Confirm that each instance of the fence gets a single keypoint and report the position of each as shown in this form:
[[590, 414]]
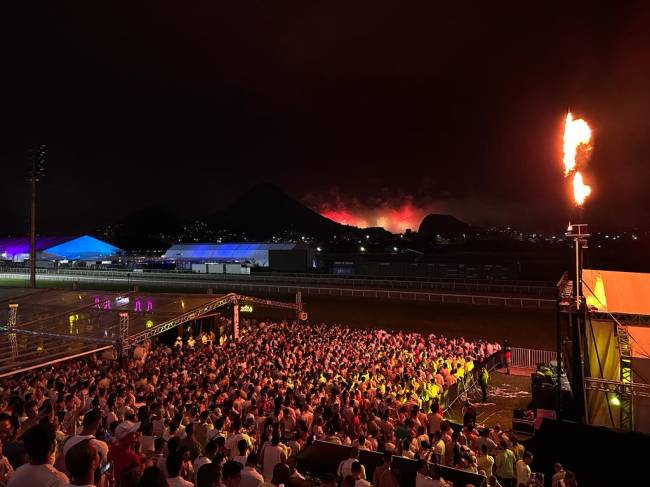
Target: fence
[[528, 358], [201, 283], [485, 287]]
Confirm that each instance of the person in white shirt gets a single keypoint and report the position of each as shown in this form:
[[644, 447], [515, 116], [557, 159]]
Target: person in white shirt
[[358, 472], [345, 467], [272, 455], [82, 460], [91, 422], [40, 443], [485, 439], [242, 452], [522, 469], [250, 477], [205, 457], [232, 441]]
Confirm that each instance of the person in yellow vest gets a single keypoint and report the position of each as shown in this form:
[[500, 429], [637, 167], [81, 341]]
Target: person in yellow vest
[[469, 365], [483, 382]]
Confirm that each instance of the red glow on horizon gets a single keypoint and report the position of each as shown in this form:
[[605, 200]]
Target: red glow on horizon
[[396, 220]]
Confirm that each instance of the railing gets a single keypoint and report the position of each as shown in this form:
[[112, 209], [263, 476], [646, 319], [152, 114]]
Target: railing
[[528, 358], [201, 283], [463, 286], [11, 267]]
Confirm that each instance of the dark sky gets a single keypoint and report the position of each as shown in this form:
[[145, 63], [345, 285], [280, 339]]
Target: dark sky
[[188, 105]]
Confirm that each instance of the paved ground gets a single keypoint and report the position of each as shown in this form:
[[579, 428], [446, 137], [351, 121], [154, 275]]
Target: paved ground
[[505, 393]]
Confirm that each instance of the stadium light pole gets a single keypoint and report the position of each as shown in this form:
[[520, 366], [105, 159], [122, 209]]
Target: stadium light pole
[[36, 158]]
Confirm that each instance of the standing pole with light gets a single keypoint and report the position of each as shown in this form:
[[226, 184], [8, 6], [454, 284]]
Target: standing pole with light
[[577, 141], [36, 170]]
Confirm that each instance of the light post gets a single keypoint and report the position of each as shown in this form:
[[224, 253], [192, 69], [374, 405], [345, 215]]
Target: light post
[[36, 170]]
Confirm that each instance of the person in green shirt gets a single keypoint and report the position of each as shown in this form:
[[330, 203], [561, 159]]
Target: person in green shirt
[[504, 465]]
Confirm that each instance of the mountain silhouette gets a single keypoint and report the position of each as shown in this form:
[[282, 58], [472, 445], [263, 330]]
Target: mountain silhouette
[[266, 211], [446, 226]]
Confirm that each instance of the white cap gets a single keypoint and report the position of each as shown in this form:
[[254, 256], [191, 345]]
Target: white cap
[[126, 427], [75, 440]]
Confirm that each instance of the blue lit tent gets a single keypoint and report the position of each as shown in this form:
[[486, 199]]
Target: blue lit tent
[[85, 248]]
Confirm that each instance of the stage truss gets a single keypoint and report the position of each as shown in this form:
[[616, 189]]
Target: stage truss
[[49, 326]]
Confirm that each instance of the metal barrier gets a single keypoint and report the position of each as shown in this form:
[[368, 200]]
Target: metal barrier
[[523, 289], [455, 394], [528, 358], [322, 457], [204, 283]]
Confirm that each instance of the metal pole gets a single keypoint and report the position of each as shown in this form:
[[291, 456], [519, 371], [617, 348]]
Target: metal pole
[[124, 334], [558, 354], [577, 241], [11, 326], [298, 304], [32, 231], [36, 156], [235, 320], [12, 317]]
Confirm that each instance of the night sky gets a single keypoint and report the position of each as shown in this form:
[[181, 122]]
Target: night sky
[[356, 107]]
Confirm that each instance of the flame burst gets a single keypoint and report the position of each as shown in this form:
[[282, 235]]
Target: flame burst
[[577, 133], [580, 189]]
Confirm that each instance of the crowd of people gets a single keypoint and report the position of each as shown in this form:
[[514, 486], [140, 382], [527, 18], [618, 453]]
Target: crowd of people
[[209, 413]]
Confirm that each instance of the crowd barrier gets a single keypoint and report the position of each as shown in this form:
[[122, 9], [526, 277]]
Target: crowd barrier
[[322, 457], [528, 358], [453, 395]]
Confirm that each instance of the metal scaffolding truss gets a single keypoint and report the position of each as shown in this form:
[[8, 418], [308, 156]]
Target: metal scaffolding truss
[[617, 387], [45, 327], [179, 320], [625, 318], [627, 414], [204, 310]]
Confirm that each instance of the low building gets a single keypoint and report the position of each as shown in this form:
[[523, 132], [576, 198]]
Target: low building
[[283, 257], [58, 249]]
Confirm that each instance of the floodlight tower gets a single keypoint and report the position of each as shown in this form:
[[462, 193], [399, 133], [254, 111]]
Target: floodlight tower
[[36, 171]]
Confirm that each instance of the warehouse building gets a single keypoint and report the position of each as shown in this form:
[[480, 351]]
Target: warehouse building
[[206, 257]]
